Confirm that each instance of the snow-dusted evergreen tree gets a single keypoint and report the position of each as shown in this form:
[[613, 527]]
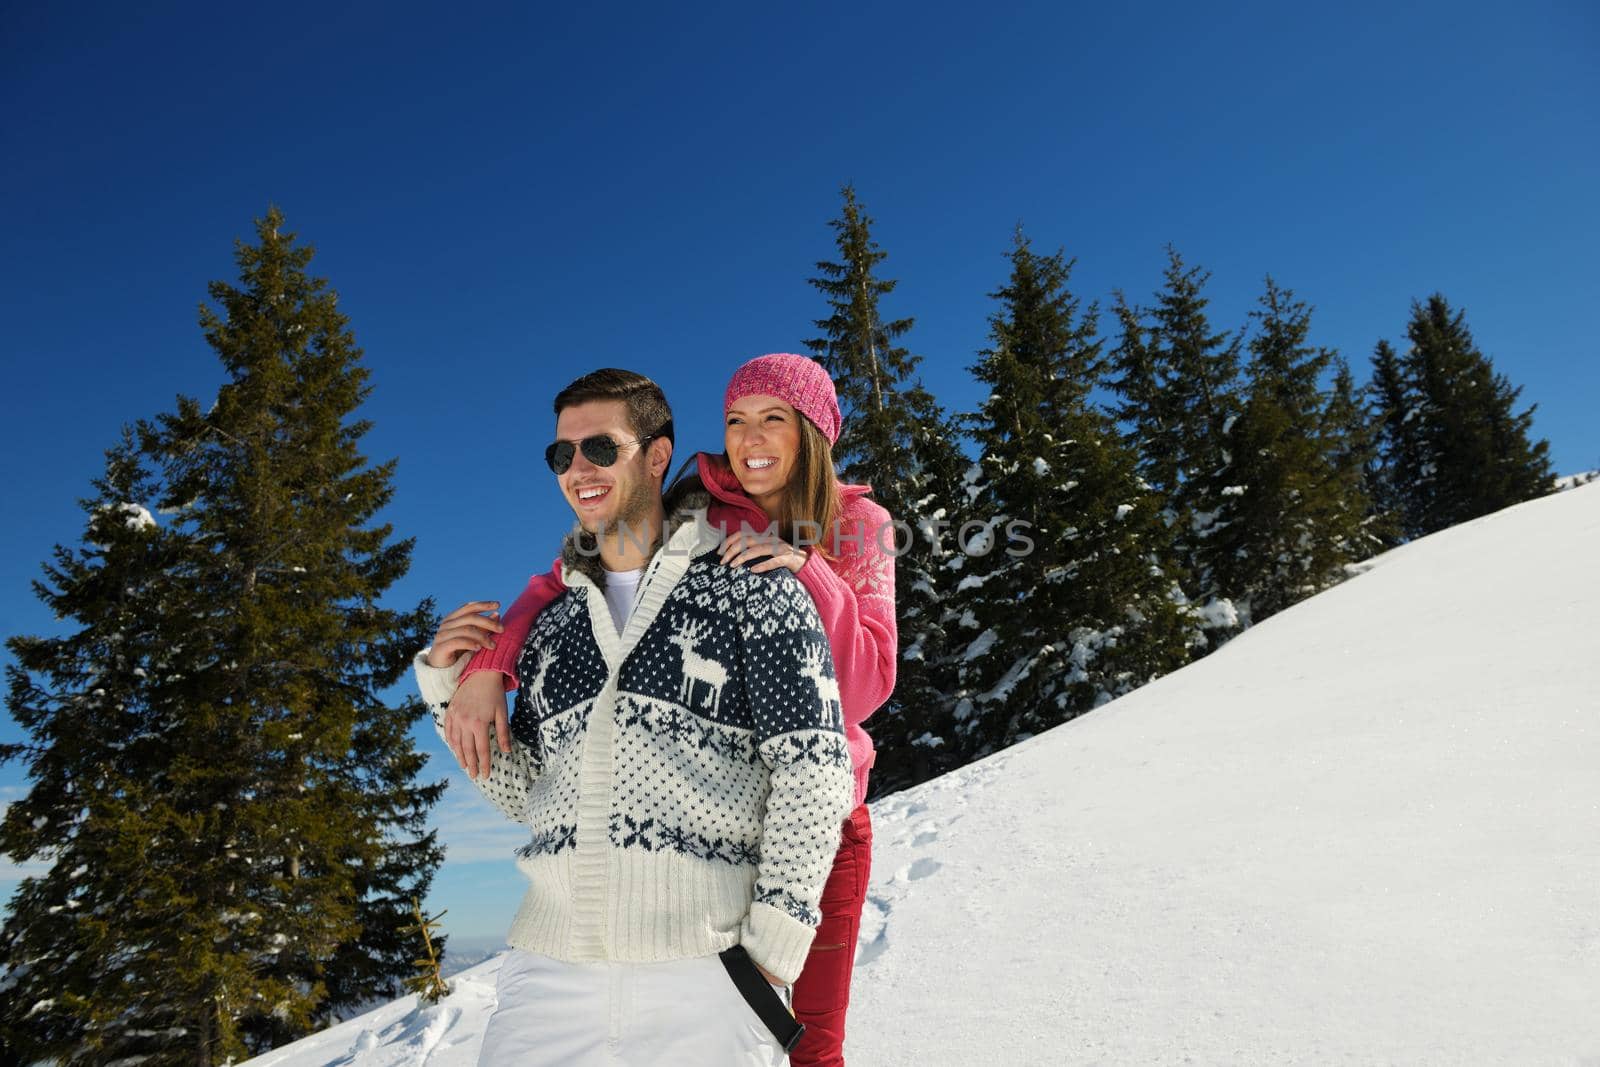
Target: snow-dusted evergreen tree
[[899, 440], [1178, 384], [1292, 517], [1070, 607], [76, 947], [225, 801]]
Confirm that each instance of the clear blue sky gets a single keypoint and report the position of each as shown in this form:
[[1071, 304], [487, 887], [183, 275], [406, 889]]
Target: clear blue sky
[[507, 196]]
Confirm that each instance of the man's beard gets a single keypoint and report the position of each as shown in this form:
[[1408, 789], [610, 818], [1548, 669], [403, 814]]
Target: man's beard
[[632, 524]]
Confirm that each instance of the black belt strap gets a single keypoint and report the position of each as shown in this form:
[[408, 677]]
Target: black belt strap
[[762, 998]]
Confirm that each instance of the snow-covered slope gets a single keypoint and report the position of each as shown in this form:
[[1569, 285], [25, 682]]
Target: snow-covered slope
[[1366, 831], [1572, 481]]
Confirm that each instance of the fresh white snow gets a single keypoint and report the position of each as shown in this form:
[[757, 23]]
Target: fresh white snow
[[1572, 481], [1365, 831], [136, 516]]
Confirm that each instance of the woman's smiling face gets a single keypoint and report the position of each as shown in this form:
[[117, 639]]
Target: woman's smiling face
[[762, 438]]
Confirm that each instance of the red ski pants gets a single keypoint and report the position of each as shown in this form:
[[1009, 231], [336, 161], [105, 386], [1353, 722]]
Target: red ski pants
[[822, 992]]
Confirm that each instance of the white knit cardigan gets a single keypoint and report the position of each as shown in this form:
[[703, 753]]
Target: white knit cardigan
[[685, 781]]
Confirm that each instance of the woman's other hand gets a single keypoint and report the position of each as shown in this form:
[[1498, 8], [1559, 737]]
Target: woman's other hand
[[478, 706]]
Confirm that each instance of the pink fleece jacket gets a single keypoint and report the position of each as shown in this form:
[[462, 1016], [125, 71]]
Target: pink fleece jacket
[[854, 594]]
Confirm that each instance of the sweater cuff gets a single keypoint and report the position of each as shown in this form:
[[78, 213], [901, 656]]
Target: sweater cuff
[[508, 677], [777, 941], [501, 659], [437, 684]]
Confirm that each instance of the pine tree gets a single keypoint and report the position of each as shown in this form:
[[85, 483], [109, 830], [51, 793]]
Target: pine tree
[[1148, 408], [913, 731], [857, 348], [72, 955], [1178, 384], [428, 983], [1396, 482], [225, 801], [1450, 445], [1291, 520], [1351, 447], [898, 439], [1478, 458], [1071, 608]]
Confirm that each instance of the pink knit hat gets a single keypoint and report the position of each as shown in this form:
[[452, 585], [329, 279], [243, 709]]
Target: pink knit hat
[[799, 381]]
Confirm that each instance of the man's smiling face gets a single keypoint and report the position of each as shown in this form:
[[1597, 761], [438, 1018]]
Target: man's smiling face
[[603, 497]]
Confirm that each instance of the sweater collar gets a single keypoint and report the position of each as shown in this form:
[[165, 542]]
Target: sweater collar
[[687, 530]]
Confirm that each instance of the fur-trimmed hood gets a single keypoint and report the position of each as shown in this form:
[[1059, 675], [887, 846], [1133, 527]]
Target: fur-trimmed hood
[[580, 552]]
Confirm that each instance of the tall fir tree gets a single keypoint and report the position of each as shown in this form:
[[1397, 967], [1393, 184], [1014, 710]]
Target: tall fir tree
[[224, 801], [1292, 518], [90, 704], [1478, 456], [1071, 606], [1351, 447], [898, 439], [1178, 383], [1395, 483], [1451, 445]]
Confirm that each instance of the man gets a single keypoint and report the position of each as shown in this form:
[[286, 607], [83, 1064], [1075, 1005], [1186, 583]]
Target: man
[[677, 759]]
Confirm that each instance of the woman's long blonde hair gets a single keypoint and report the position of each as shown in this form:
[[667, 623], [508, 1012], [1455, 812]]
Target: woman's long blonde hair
[[811, 503]]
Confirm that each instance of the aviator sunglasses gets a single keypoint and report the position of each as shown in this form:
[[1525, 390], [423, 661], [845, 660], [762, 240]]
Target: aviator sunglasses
[[601, 449]]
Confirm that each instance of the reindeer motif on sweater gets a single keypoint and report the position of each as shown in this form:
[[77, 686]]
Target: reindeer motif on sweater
[[817, 668], [697, 668]]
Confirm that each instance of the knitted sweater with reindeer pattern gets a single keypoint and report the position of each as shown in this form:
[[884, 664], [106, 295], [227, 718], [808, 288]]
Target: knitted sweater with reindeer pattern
[[684, 781]]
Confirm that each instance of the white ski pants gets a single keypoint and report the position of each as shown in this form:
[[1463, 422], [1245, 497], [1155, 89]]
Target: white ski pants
[[683, 1012]]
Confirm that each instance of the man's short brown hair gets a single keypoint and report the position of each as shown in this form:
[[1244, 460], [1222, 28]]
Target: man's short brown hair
[[646, 405]]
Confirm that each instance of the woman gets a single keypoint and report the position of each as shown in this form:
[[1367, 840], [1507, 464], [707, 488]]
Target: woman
[[781, 420]]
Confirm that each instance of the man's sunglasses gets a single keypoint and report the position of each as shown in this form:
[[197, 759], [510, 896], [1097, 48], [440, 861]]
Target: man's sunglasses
[[601, 450]]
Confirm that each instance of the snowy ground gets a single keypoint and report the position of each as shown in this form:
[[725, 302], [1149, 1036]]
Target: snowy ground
[[1367, 831], [1572, 481]]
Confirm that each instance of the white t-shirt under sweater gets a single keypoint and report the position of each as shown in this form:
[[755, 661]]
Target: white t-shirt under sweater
[[621, 588]]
